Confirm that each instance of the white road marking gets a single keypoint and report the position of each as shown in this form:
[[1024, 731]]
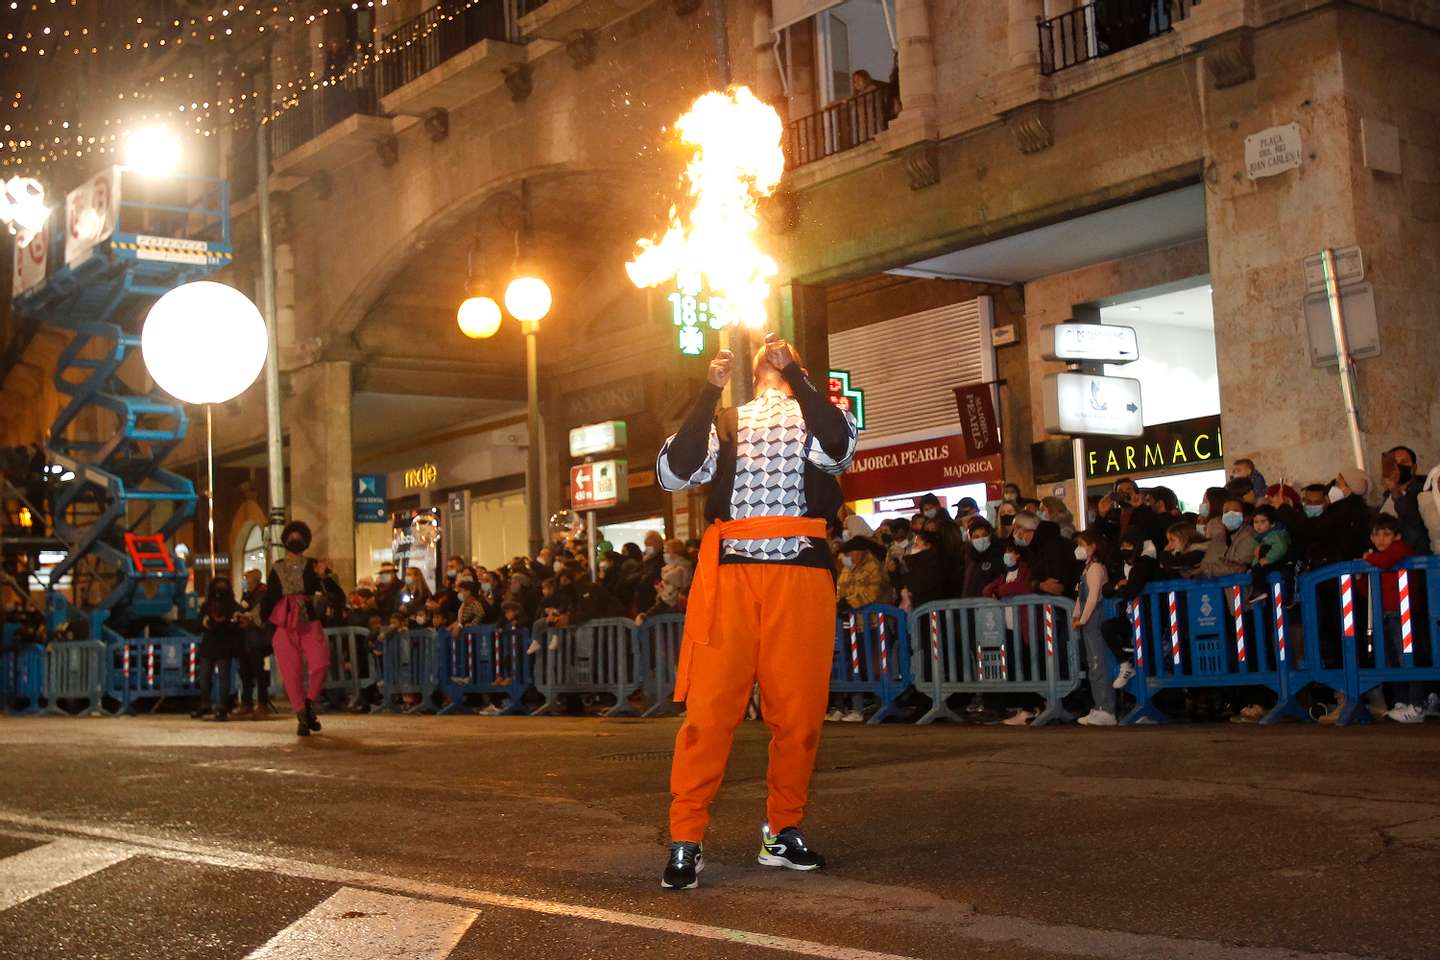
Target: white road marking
[[1050, 938], [41, 869], [362, 924]]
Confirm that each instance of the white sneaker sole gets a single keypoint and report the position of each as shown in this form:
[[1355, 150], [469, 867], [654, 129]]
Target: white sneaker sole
[[699, 869], [770, 860]]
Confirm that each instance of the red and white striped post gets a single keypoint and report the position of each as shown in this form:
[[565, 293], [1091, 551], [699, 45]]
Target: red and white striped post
[[1050, 634], [1278, 596], [1174, 630], [935, 642], [194, 654], [1347, 606], [150, 665], [1237, 607], [881, 620], [1407, 633]]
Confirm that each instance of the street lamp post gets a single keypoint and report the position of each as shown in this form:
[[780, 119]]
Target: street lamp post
[[528, 300]]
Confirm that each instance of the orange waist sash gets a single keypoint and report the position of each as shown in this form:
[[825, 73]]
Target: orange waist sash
[[704, 592]]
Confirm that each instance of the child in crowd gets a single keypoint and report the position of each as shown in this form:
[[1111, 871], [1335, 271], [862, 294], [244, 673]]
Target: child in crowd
[[1272, 548], [472, 611], [1091, 550], [1015, 582], [1390, 549], [1181, 557], [1138, 566]]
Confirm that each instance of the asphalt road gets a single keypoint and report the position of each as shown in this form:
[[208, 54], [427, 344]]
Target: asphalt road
[[409, 837]]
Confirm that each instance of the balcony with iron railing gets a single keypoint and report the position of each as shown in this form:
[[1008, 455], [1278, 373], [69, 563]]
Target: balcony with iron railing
[[842, 126], [1104, 27], [448, 54], [318, 110]]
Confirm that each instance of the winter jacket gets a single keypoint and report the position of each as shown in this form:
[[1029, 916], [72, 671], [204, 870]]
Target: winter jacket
[[1133, 578], [864, 583], [1227, 553], [1051, 556], [1342, 532], [982, 569], [1274, 547], [925, 577], [1429, 502], [1406, 509], [1389, 581]]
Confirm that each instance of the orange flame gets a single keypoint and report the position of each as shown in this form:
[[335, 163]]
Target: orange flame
[[736, 162]]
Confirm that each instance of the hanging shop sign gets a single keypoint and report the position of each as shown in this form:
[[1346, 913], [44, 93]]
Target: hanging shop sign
[[1082, 404], [1272, 151], [846, 397], [1095, 342], [31, 261], [370, 498], [980, 427], [91, 212], [595, 486], [1163, 446], [693, 310], [596, 438], [918, 465]]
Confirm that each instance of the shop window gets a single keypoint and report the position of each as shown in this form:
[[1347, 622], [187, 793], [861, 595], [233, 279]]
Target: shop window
[[498, 529]]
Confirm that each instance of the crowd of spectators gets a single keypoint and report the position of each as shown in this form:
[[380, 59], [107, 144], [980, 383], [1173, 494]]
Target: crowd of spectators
[[1027, 545]]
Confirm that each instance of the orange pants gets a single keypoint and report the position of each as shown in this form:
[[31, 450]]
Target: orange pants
[[776, 624]]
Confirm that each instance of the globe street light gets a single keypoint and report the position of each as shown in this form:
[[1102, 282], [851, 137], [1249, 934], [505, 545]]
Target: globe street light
[[204, 343], [479, 317], [528, 299]]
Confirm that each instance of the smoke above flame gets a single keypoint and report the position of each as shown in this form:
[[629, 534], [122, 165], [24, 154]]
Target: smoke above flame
[[735, 162]]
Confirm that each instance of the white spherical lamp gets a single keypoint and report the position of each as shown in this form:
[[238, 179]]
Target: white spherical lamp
[[479, 317], [528, 299], [204, 342]]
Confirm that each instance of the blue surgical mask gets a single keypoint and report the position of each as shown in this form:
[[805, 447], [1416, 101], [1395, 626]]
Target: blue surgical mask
[[1232, 520], [1204, 510], [1011, 560], [981, 544], [1313, 510]]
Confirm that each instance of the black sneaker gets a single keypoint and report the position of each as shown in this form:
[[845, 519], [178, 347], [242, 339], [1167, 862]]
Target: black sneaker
[[302, 728], [787, 849], [310, 716], [682, 870]]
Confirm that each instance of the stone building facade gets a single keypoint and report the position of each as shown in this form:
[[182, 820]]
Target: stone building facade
[[1076, 173]]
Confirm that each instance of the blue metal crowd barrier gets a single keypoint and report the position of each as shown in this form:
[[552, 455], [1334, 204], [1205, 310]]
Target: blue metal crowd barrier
[[144, 669], [872, 656], [409, 667], [660, 638], [22, 673], [1348, 644], [1193, 634], [1016, 645], [352, 666], [602, 657], [75, 672], [488, 660]]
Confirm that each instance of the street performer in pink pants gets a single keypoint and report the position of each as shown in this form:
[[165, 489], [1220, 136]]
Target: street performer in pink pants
[[294, 597]]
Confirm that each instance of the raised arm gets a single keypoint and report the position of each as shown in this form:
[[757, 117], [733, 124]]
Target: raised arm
[[687, 459]]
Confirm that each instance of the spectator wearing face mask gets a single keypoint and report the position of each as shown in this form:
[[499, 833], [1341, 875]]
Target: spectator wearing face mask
[[1157, 511], [676, 567], [862, 576], [1430, 508], [651, 564], [1231, 545], [924, 578], [1342, 530], [387, 590], [1116, 509], [984, 560], [1137, 567], [1402, 499], [1050, 556]]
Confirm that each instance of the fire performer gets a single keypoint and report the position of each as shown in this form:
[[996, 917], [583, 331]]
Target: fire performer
[[294, 598], [762, 605]]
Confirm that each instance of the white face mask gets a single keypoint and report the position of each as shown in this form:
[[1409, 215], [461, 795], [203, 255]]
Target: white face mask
[[929, 513], [1335, 495], [669, 558], [651, 551], [849, 561], [1080, 554]]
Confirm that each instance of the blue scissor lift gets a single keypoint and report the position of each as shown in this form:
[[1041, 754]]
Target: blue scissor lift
[[118, 514]]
